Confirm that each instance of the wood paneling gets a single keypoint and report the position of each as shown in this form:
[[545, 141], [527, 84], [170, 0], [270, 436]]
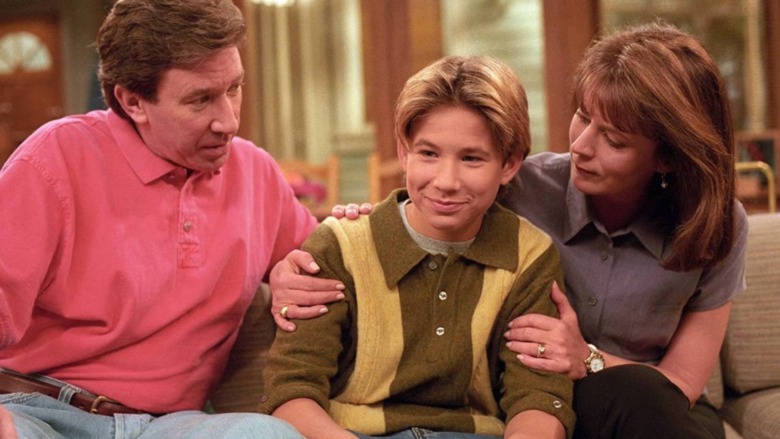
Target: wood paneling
[[569, 26]]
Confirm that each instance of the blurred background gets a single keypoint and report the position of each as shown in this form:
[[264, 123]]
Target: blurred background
[[323, 75]]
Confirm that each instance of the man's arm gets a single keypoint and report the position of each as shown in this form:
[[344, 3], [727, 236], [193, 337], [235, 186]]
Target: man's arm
[[305, 296]]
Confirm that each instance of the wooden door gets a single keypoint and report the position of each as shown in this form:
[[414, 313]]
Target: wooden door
[[30, 77]]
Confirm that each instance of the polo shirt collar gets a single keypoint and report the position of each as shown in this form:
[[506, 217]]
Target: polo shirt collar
[[495, 245], [147, 165], [645, 227]]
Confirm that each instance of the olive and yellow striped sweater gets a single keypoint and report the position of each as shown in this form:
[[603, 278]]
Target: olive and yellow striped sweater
[[418, 340]]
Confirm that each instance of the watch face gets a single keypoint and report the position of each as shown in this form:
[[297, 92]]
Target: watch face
[[596, 364]]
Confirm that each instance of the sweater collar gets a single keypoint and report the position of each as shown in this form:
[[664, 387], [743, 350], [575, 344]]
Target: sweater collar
[[495, 244]]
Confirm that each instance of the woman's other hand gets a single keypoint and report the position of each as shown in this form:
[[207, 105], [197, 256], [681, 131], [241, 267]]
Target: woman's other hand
[[558, 340]]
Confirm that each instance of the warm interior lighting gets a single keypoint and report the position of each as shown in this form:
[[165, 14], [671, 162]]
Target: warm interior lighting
[[274, 2]]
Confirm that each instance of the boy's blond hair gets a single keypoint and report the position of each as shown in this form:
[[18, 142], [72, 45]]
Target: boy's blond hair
[[483, 83]]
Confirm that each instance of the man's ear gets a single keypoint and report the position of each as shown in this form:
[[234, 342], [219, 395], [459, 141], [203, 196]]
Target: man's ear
[[132, 103], [511, 167]]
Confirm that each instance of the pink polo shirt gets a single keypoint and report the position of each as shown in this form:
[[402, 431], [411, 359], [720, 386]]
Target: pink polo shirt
[[121, 274]]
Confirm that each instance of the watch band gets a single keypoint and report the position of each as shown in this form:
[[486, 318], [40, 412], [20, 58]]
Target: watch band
[[595, 361]]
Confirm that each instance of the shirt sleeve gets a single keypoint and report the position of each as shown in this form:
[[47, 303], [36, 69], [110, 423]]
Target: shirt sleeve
[[726, 279], [294, 222], [302, 364], [32, 220], [524, 388]]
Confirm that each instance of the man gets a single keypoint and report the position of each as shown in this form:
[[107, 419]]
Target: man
[[135, 238]]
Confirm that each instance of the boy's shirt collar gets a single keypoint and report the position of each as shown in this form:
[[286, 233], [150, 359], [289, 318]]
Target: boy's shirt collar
[[495, 245]]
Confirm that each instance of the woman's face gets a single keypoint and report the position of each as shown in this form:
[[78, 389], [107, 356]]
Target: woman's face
[[609, 163]]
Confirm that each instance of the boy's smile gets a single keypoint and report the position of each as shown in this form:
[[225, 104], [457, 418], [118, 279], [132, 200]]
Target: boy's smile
[[453, 172]]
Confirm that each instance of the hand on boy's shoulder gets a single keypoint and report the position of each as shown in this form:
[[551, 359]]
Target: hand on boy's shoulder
[[351, 210]]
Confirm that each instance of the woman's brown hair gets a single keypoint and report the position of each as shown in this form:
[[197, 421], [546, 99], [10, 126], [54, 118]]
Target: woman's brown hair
[[660, 82]]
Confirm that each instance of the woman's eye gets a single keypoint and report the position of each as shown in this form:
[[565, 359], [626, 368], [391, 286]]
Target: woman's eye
[[612, 142]]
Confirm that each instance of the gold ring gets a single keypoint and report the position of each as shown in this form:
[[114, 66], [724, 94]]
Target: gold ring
[[283, 311], [540, 350]]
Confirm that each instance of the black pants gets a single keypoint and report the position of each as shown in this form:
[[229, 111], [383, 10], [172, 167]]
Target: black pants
[[634, 401]]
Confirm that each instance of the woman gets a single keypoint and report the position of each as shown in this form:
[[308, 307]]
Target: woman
[[652, 241]]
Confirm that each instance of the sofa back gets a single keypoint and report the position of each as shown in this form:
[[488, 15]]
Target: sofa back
[[750, 357]]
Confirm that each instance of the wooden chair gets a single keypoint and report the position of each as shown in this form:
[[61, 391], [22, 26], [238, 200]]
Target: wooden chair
[[308, 178], [769, 176]]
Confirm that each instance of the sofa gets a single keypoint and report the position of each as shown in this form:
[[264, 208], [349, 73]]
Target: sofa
[[745, 386]]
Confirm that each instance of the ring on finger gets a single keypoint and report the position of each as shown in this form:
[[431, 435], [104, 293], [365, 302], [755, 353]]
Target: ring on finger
[[283, 311], [540, 350]]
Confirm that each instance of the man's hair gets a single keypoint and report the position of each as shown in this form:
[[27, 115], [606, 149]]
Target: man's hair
[[660, 82], [141, 39], [483, 83]]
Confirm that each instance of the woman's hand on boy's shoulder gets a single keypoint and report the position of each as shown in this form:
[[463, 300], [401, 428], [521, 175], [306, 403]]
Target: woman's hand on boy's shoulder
[[351, 210]]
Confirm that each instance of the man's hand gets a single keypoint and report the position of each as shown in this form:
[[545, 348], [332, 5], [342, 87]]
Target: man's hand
[[298, 296]]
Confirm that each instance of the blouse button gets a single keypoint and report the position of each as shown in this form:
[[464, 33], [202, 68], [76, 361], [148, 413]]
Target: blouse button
[[187, 226], [443, 295], [439, 331], [557, 404], [433, 265], [592, 301]]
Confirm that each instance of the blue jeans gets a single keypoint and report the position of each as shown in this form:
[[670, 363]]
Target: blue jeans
[[41, 417], [421, 433]]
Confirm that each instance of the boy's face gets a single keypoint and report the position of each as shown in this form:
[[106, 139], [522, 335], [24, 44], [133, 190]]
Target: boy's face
[[196, 114], [453, 173]]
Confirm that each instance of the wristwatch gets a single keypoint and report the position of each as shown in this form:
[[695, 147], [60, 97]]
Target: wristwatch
[[595, 360]]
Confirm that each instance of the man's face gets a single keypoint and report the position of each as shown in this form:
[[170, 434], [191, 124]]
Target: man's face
[[196, 114]]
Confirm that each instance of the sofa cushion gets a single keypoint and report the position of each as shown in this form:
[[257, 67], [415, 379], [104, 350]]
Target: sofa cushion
[[755, 415], [751, 350]]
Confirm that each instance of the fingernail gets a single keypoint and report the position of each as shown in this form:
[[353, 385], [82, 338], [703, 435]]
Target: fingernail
[[290, 328], [510, 324], [323, 310], [506, 334], [340, 287], [314, 266], [520, 357], [339, 296]]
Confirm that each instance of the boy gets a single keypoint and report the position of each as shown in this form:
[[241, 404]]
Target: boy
[[432, 278]]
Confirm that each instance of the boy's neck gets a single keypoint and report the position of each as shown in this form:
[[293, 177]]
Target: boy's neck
[[431, 245]]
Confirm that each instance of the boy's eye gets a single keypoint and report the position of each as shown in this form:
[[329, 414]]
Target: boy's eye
[[471, 158], [582, 116]]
